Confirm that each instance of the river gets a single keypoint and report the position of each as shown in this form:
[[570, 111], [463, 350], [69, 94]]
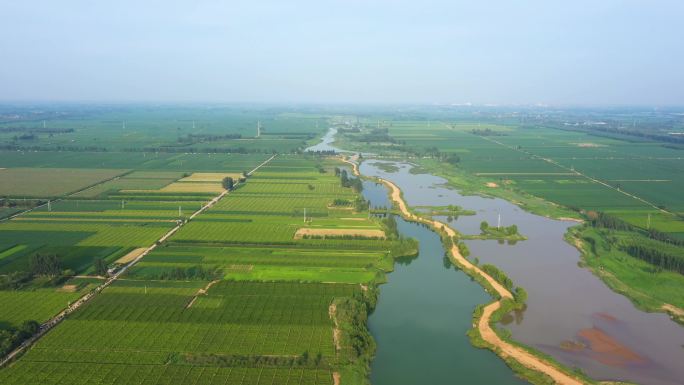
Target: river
[[326, 143], [571, 314], [422, 315], [425, 308]]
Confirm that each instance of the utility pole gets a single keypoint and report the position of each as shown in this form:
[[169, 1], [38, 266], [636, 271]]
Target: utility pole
[[498, 224], [122, 204], [648, 223], [258, 128], [179, 212], [304, 214], [49, 207]]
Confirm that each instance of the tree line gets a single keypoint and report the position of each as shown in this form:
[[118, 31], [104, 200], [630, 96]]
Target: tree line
[[346, 181], [304, 360], [191, 273], [11, 337], [656, 256], [40, 265], [607, 221]]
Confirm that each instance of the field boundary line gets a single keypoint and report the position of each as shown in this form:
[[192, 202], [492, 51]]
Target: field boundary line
[[595, 180], [61, 198], [54, 321]]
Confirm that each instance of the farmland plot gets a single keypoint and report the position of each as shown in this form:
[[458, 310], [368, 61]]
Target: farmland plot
[[265, 317], [36, 182], [154, 326]]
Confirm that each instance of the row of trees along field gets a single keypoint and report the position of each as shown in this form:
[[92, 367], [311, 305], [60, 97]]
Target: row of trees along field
[[11, 337], [657, 248], [346, 181], [46, 266]]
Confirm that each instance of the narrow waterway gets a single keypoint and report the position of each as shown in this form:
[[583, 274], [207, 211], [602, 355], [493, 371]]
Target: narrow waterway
[[422, 315], [325, 143], [571, 314]]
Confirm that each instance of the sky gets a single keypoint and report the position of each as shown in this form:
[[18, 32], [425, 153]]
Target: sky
[[552, 52]]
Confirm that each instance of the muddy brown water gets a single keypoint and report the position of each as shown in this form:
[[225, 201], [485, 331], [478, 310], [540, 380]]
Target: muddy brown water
[[571, 315]]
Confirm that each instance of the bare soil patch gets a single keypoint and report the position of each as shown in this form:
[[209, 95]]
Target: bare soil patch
[[241, 268], [69, 288], [131, 256], [491, 185], [673, 309], [210, 177], [332, 312], [370, 233], [202, 291]]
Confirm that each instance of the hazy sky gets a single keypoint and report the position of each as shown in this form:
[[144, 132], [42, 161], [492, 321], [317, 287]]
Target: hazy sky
[[421, 51]]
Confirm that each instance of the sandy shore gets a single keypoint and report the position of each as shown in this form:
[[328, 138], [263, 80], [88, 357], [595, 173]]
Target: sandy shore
[[501, 347]]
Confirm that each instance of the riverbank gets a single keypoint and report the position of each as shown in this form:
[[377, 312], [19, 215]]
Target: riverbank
[[650, 292], [629, 276], [506, 350]]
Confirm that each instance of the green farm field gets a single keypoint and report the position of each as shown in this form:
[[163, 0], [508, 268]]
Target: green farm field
[[273, 282], [232, 297], [155, 327], [54, 182], [166, 129], [94, 223], [564, 167]]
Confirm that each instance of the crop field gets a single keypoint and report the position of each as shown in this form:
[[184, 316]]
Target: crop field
[[233, 297], [94, 223], [153, 324], [136, 180], [166, 129], [44, 303], [149, 162], [559, 166], [38, 373], [251, 234], [37, 182]]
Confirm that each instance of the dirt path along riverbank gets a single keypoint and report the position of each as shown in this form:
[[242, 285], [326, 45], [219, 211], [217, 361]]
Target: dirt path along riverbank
[[501, 347]]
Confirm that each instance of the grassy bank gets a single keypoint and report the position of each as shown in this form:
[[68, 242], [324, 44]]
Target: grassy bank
[[649, 288]]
